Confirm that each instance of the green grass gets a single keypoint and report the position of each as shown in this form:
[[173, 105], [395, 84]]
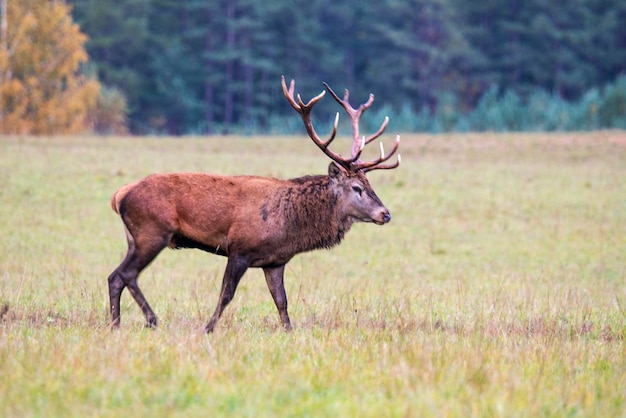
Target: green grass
[[498, 289]]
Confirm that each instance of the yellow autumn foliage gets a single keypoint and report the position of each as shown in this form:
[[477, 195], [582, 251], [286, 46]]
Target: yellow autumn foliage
[[42, 91]]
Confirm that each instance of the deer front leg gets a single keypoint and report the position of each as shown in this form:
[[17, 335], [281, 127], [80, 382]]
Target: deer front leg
[[235, 268], [274, 276]]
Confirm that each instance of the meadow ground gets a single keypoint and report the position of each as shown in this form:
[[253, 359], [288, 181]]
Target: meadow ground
[[498, 288]]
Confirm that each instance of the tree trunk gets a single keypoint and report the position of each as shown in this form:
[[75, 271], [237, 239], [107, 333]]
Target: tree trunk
[[3, 49], [3, 25], [209, 114], [230, 65]]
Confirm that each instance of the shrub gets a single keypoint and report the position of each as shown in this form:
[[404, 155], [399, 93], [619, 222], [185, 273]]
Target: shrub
[[496, 110], [109, 115], [612, 109]]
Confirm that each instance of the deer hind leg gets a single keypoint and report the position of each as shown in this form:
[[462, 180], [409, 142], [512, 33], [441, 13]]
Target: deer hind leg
[[235, 269], [116, 286], [140, 254], [275, 282]]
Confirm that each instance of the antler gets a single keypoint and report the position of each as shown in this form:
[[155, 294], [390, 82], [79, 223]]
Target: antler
[[358, 143], [305, 113]]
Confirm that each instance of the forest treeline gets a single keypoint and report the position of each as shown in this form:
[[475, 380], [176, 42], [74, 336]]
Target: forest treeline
[[199, 66], [214, 66]]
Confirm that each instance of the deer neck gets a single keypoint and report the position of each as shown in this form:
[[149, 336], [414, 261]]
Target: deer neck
[[312, 218]]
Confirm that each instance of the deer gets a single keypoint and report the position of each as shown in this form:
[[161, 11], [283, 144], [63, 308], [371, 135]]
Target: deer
[[253, 221]]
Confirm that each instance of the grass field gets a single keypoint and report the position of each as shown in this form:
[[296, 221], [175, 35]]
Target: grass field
[[497, 290]]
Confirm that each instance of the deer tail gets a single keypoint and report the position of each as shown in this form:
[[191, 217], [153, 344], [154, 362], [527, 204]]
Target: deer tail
[[116, 199]]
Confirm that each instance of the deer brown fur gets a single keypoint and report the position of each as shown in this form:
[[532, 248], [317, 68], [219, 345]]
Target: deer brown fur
[[253, 221]]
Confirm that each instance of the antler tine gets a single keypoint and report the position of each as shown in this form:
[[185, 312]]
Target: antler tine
[[299, 106], [305, 112], [379, 132], [345, 102], [376, 164], [358, 142]]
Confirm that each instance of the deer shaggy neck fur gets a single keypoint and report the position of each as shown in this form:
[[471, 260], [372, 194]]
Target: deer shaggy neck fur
[[306, 209]]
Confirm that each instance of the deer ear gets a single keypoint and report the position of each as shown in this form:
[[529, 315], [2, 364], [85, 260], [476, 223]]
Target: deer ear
[[336, 172]]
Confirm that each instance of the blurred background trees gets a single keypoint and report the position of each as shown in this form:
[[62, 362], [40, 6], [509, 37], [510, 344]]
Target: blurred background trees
[[214, 66], [41, 89]]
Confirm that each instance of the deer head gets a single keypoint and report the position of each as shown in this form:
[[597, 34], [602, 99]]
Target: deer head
[[348, 174]]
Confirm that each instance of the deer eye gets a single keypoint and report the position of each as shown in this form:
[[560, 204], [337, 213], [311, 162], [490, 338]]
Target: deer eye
[[357, 189]]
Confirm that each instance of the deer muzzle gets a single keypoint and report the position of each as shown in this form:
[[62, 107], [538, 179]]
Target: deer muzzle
[[383, 217]]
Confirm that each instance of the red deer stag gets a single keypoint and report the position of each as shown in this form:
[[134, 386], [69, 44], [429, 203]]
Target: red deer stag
[[253, 221]]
